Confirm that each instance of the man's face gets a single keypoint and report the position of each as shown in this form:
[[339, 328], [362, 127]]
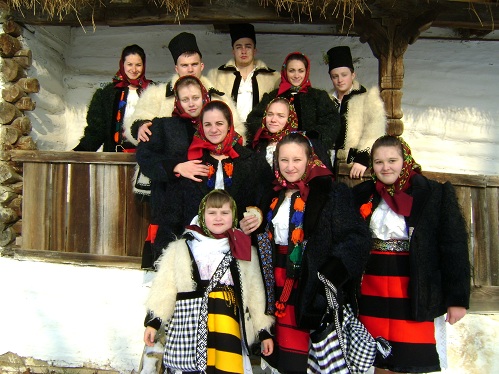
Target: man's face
[[244, 52], [189, 65]]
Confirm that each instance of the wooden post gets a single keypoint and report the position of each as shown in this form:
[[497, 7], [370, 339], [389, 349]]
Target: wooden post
[[389, 39]]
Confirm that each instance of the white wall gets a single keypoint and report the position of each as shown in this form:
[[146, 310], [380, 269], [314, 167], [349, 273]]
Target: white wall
[[450, 108], [72, 315]]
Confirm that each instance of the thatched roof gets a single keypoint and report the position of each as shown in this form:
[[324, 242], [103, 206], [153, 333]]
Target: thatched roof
[[472, 17]]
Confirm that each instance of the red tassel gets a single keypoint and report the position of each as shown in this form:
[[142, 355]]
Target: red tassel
[[286, 292]]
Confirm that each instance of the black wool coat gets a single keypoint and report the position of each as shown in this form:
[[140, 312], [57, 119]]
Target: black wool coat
[[101, 116], [440, 268], [250, 178]]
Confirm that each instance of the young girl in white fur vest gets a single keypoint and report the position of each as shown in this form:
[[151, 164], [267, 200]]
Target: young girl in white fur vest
[[189, 263]]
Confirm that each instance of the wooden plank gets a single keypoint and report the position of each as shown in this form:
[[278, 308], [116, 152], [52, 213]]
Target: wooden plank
[[59, 205], [481, 255], [493, 232], [464, 198], [137, 218], [108, 158], [484, 299], [108, 204], [79, 212], [36, 213]]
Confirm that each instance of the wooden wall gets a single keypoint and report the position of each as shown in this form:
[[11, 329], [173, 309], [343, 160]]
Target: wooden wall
[[81, 202]]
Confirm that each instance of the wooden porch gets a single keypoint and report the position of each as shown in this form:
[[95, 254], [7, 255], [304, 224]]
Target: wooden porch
[[79, 208]]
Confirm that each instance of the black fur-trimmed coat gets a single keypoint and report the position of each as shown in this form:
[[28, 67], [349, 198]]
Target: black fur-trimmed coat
[[440, 268], [338, 246]]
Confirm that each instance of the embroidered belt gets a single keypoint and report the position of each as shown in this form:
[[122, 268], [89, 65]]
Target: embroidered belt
[[392, 245]]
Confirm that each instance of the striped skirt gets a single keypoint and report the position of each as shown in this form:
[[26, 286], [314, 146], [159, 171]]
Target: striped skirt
[[385, 310], [292, 342], [224, 334]]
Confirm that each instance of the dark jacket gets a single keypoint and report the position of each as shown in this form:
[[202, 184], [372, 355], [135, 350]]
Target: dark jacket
[[316, 113], [250, 177], [101, 122], [440, 268], [167, 147], [338, 245]]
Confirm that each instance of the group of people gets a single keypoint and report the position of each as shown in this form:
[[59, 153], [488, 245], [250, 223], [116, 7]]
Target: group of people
[[395, 247]]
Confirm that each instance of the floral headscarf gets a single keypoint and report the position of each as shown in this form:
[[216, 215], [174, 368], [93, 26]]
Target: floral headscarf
[[226, 147], [121, 80], [394, 195], [178, 111], [285, 85], [240, 243], [291, 124], [315, 168]]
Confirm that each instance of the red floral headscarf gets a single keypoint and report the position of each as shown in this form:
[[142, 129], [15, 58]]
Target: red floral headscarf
[[200, 142], [315, 168], [121, 80], [291, 124], [394, 195], [285, 85], [178, 111]]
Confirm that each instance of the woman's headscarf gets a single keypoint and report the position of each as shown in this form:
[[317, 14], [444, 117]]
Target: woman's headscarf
[[315, 168], [394, 195], [285, 85], [240, 243], [291, 125], [226, 147], [121, 80], [178, 111]]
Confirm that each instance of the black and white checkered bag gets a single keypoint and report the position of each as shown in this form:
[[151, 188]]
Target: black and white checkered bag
[[187, 331], [346, 348]]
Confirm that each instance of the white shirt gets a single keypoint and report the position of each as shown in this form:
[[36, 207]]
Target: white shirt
[[245, 97], [281, 222], [386, 224]]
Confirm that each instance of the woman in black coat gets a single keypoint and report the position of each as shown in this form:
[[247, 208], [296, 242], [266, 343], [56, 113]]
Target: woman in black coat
[[110, 105], [316, 113], [164, 157], [232, 167], [278, 121], [312, 226], [419, 267]]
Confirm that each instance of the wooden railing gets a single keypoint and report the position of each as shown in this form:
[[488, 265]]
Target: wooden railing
[[81, 202], [478, 197]]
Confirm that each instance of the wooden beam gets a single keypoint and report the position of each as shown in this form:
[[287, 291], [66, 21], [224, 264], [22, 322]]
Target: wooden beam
[[74, 157]]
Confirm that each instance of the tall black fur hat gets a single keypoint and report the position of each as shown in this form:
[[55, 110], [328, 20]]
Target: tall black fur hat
[[183, 42], [242, 30], [339, 57]]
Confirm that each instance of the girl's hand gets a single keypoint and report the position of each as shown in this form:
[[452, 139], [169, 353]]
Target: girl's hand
[[267, 347], [149, 336], [454, 314], [144, 133], [249, 224], [191, 169], [357, 170]]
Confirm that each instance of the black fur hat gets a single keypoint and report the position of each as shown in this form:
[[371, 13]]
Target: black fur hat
[[183, 42], [339, 57], [242, 30]]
